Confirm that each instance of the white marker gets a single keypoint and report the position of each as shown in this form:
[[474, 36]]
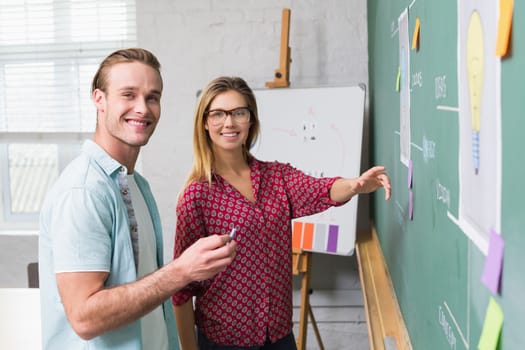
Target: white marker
[[233, 234]]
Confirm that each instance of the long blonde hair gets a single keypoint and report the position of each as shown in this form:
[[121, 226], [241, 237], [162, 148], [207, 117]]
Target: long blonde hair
[[203, 157]]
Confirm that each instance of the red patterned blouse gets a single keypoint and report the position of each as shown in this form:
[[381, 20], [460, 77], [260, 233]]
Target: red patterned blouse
[[253, 296]]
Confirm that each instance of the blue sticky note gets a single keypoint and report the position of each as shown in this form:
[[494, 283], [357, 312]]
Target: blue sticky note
[[493, 263]]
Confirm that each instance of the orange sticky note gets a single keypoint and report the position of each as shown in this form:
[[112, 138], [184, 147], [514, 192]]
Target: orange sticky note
[[308, 236], [415, 36], [297, 234], [506, 7]]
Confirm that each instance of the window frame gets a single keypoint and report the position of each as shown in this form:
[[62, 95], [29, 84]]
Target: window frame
[[10, 220], [78, 53]]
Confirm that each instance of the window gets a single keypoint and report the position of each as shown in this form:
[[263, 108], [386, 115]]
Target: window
[[49, 52]]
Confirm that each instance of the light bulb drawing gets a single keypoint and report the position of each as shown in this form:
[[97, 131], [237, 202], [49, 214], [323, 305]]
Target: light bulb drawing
[[475, 61]]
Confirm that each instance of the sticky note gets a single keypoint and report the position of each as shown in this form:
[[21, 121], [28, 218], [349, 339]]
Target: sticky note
[[493, 263], [491, 327], [410, 173], [506, 7], [415, 36], [320, 236], [297, 234], [333, 232], [410, 205], [398, 79], [308, 236]]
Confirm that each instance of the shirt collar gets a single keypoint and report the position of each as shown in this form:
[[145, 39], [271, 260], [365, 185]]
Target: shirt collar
[[97, 153]]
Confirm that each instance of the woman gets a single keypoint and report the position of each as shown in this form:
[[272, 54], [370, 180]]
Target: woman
[[249, 305]]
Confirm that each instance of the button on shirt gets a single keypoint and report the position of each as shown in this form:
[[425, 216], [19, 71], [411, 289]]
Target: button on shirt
[[252, 298], [84, 226]]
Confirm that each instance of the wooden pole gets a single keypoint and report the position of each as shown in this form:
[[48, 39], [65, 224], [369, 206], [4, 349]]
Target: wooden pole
[[282, 74], [302, 264]]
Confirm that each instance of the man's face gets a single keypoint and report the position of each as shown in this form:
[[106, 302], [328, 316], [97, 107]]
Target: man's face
[[129, 110]]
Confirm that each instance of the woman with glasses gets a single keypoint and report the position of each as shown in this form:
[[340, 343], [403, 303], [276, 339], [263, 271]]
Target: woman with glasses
[[249, 305]]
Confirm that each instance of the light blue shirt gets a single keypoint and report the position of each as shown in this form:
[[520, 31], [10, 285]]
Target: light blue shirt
[[84, 227]]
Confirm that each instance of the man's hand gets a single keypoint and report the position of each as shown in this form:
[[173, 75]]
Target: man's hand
[[207, 257]]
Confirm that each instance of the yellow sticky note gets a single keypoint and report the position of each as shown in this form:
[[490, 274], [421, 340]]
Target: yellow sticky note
[[398, 79], [506, 7], [415, 36], [491, 327]]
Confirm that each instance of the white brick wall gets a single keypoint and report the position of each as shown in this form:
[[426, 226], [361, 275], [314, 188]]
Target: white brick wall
[[198, 40]]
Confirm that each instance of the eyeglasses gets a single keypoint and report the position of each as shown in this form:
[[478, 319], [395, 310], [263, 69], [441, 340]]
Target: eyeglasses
[[240, 115]]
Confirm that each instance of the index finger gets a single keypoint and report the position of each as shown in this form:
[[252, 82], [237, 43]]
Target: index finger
[[214, 241], [386, 185]]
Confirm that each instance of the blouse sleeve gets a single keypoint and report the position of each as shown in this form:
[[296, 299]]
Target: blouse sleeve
[[307, 195], [190, 228]]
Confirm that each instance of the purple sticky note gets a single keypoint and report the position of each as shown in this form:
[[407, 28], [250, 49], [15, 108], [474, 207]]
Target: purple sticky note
[[410, 173], [410, 205], [333, 232], [493, 262]]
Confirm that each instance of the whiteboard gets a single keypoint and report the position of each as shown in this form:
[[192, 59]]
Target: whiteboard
[[319, 131]]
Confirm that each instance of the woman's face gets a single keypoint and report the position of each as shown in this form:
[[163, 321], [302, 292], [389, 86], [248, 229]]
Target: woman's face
[[228, 121]]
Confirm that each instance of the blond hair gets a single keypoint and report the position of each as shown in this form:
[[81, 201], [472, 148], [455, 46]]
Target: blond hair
[[100, 80], [203, 157]]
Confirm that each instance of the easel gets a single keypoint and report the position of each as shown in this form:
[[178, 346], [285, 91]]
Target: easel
[[302, 263], [282, 74], [301, 260]]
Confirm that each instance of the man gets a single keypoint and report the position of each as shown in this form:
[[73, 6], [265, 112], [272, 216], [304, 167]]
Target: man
[[102, 280]]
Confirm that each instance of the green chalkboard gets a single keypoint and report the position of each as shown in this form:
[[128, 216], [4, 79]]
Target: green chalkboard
[[436, 257]]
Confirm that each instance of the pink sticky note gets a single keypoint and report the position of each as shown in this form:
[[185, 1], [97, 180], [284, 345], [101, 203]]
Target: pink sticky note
[[410, 205], [493, 263], [410, 173]]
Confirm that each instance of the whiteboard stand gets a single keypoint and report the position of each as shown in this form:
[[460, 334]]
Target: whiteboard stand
[[302, 264]]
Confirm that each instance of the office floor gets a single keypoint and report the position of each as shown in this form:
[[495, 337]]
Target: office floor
[[340, 318]]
